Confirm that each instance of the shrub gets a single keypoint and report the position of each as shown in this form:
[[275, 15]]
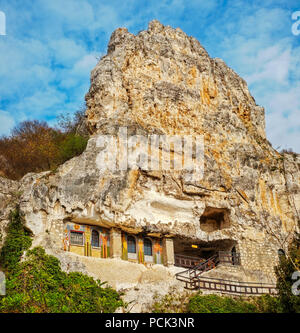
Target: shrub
[[74, 124], [34, 146], [198, 303], [267, 304], [39, 285], [17, 241], [219, 304], [72, 145], [287, 265]]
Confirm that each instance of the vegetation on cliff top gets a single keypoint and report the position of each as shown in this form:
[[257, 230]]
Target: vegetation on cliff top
[[34, 146]]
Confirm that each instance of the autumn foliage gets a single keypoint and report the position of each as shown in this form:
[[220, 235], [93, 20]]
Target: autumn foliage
[[34, 146]]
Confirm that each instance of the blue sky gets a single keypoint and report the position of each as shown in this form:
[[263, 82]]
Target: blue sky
[[51, 46]]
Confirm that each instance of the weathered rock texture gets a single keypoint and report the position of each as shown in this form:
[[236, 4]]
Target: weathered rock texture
[[162, 81], [9, 198]]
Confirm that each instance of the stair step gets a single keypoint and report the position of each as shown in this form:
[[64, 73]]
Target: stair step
[[190, 281]]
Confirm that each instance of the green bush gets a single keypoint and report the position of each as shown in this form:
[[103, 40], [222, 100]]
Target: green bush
[[73, 145], [198, 303], [219, 304], [287, 266], [17, 241], [39, 285], [267, 304]]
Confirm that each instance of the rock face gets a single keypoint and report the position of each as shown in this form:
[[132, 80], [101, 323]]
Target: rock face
[[163, 82], [9, 197]]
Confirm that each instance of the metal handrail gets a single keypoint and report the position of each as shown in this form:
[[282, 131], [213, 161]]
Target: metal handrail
[[228, 257], [263, 284], [234, 287], [193, 280], [201, 268], [186, 257], [204, 262], [212, 261]]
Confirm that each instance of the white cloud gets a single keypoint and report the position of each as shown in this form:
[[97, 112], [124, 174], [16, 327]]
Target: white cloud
[[66, 51], [261, 48], [6, 123], [271, 64], [39, 105], [87, 63], [75, 13], [79, 73], [24, 65]]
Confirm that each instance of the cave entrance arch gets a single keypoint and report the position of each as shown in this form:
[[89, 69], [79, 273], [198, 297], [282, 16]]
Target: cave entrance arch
[[189, 253]]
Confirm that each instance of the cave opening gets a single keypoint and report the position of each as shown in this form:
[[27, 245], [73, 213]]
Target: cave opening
[[214, 219], [191, 252]]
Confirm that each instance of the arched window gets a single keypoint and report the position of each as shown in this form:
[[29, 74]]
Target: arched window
[[147, 247], [95, 239], [131, 244]]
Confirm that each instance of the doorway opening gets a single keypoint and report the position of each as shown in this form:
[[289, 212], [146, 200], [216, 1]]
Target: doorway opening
[[189, 253]]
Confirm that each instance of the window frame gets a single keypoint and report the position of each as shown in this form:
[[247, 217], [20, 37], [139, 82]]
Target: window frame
[[135, 244], [98, 233], [151, 248], [78, 233]]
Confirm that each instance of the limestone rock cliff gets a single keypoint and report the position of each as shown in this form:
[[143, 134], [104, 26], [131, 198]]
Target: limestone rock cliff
[[162, 81]]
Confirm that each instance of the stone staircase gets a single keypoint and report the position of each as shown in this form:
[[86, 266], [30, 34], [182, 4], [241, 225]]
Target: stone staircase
[[195, 278]]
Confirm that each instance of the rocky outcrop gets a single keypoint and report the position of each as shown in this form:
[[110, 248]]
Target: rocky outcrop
[[9, 198], [163, 82]]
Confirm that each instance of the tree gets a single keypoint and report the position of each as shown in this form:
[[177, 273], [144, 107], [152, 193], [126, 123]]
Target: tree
[[287, 266], [74, 124], [34, 146]]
